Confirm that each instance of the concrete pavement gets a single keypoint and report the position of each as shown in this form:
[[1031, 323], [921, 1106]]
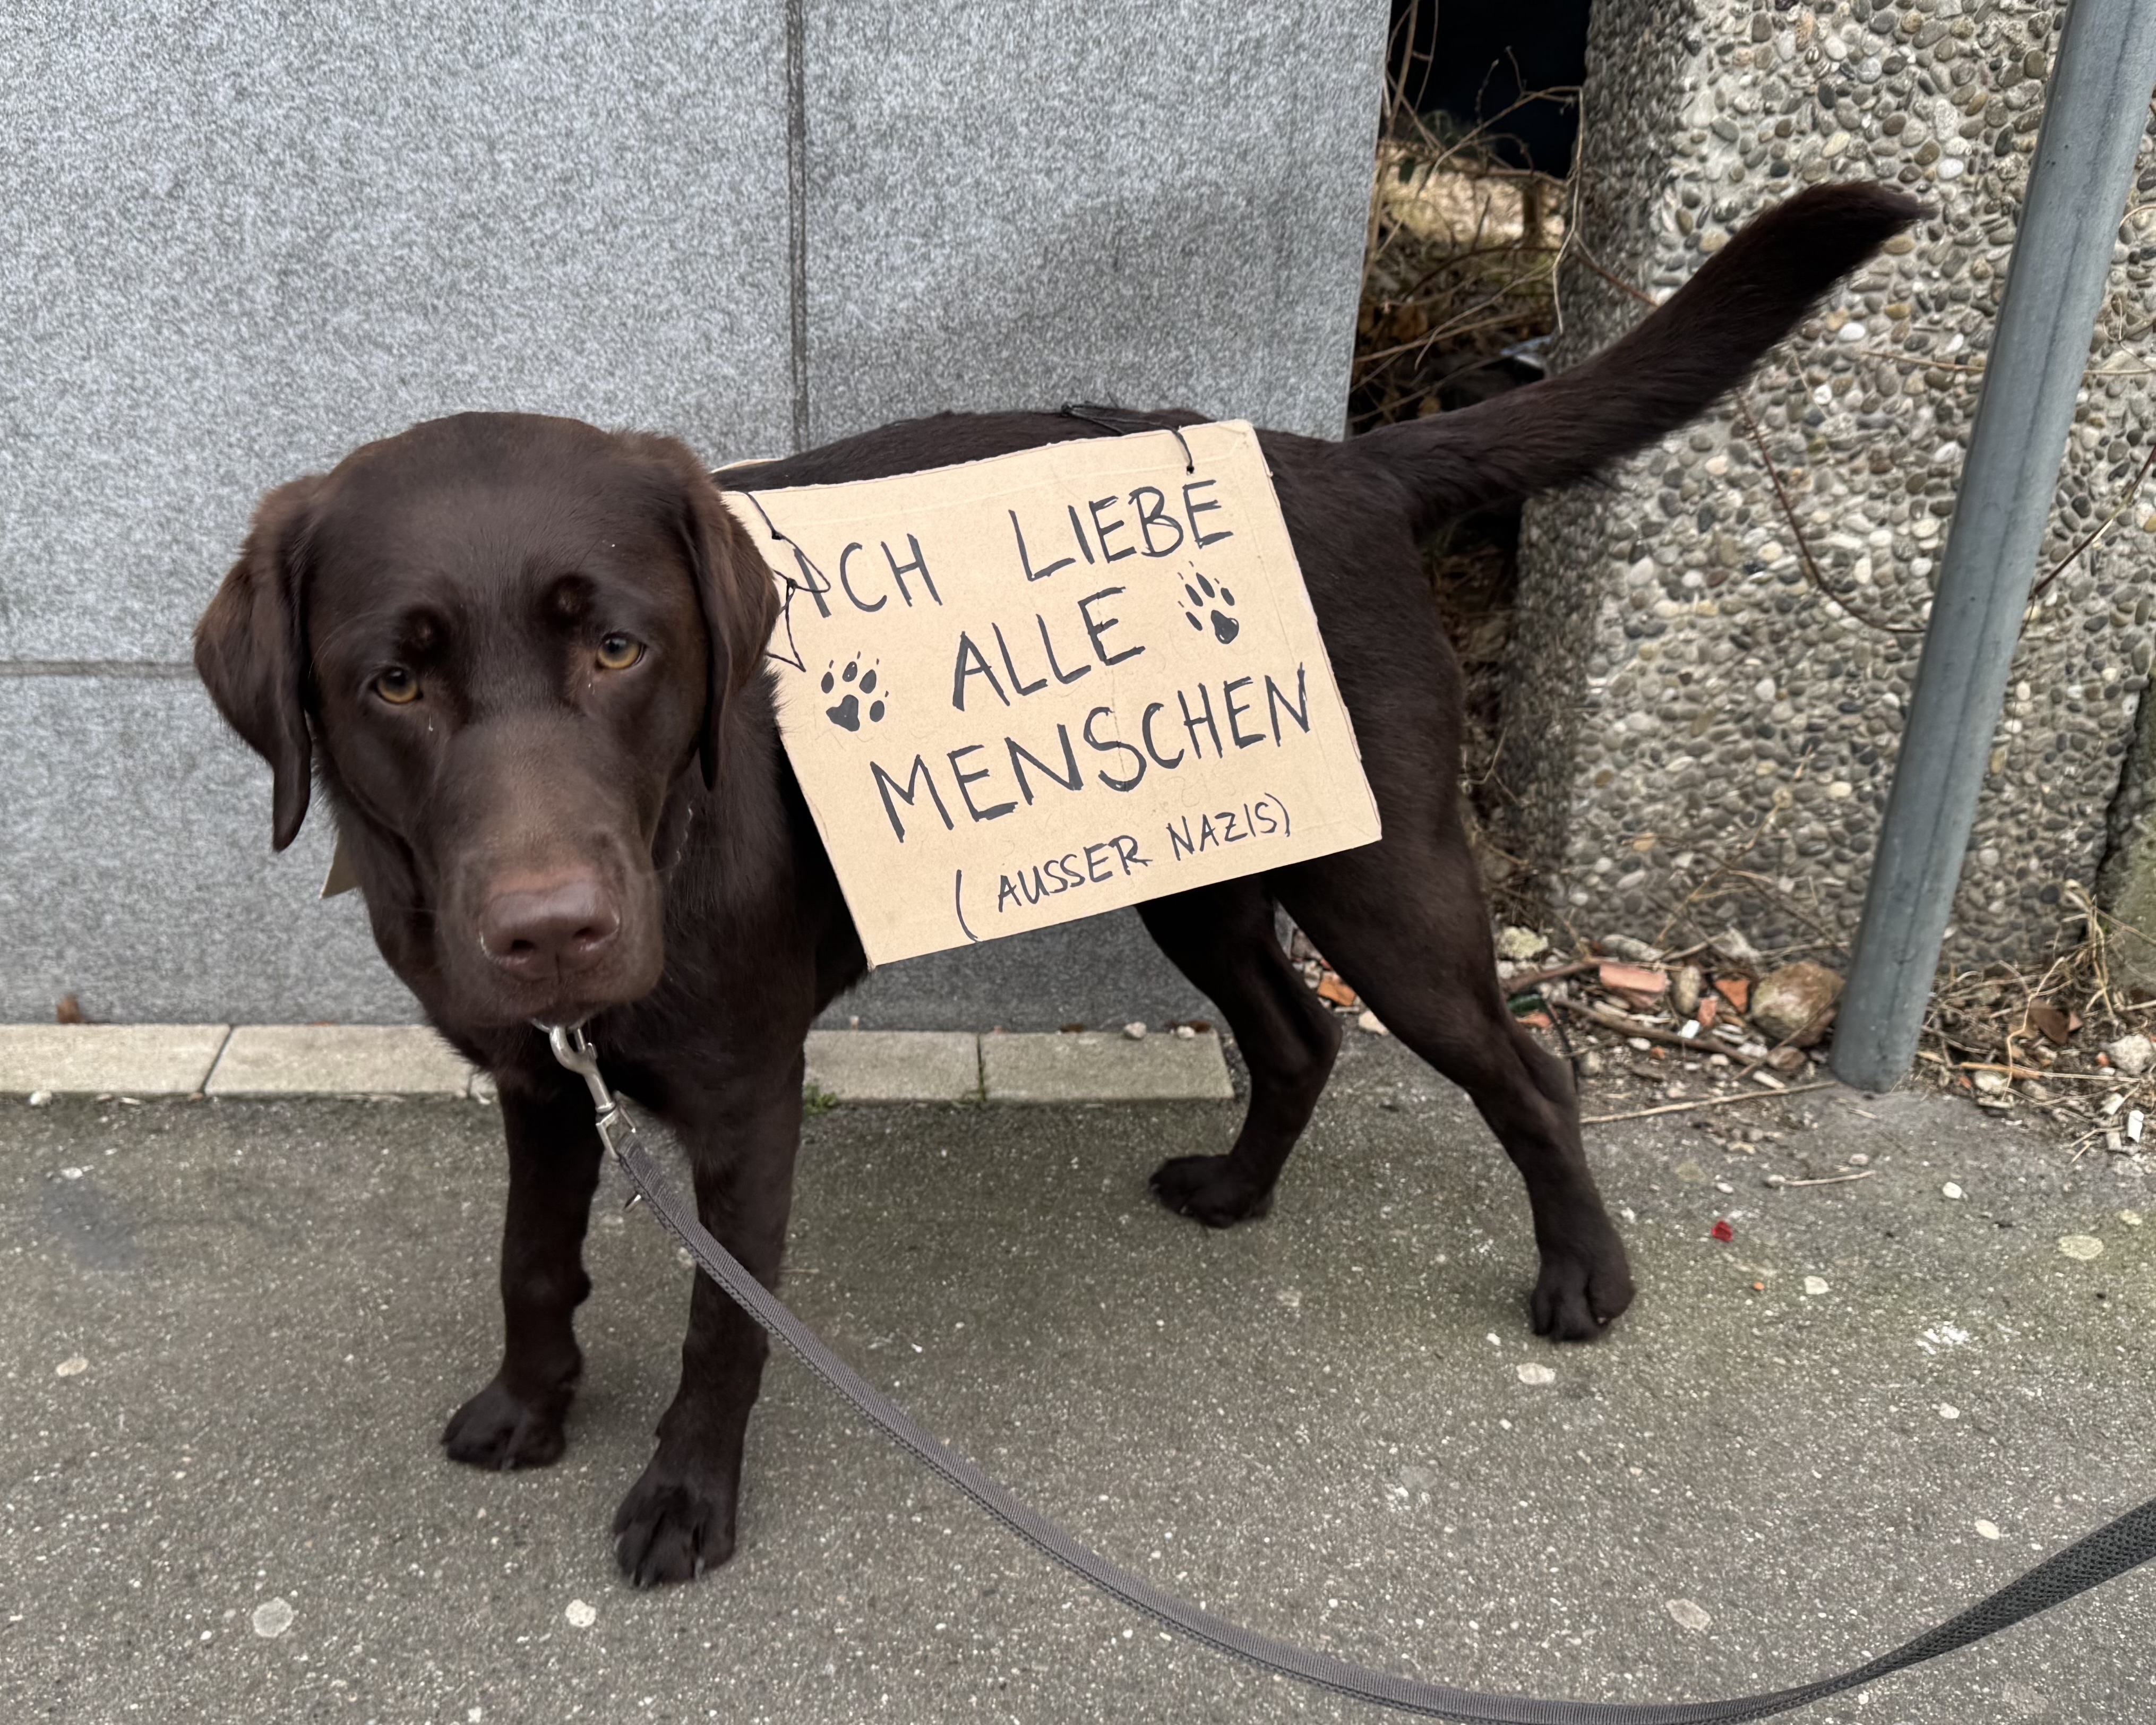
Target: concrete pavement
[[233, 1329]]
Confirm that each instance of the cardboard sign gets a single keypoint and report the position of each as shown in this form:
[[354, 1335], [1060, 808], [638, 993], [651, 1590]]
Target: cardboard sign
[[1047, 684]]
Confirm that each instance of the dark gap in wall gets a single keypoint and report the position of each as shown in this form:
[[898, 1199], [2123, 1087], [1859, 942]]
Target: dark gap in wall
[[1467, 214]]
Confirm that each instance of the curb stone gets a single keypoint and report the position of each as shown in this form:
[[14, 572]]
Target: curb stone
[[849, 1066], [1091, 1067], [338, 1060], [895, 1065], [94, 1060]]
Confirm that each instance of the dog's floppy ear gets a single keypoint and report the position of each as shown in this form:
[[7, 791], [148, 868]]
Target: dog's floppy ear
[[740, 606], [249, 654], [734, 591]]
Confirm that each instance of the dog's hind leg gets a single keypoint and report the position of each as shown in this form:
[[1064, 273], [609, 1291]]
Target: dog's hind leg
[[1222, 938], [1403, 924]]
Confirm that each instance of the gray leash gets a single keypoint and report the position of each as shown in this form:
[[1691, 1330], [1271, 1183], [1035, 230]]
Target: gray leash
[[2110, 1551]]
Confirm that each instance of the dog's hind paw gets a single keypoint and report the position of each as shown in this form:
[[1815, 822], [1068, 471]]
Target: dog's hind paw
[[499, 1429], [1206, 1189], [671, 1528], [1577, 1297]]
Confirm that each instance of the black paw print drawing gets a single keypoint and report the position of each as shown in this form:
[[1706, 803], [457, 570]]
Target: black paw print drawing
[[847, 714], [1225, 628]]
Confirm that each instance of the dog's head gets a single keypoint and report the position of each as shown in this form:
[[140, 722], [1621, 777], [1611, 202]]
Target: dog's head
[[509, 637]]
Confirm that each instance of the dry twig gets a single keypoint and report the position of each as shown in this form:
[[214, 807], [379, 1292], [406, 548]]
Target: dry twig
[[1741, 1095], [1805, 558]]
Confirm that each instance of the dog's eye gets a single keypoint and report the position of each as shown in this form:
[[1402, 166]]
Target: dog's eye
[[398, 686], [618, 652]]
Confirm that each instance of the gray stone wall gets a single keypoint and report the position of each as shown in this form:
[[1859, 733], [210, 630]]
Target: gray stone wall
[[1695, 732], [1019, 204], [2126, 886], [239, 240]]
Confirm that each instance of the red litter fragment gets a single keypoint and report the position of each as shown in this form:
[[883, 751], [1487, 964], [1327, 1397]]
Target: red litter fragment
[[1723, 1232], [1634, 979]]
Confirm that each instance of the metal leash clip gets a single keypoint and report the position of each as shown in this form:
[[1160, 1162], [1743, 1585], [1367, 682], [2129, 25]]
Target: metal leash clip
[[574, 1052]]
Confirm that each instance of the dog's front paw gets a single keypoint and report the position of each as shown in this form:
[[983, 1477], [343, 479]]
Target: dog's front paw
[[1206, 1189], [1582, 1288], [499, 1429], [673, 1526]]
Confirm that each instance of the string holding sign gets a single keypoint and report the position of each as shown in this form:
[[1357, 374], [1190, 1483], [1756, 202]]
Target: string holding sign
[[1105, 418], [792, 585], [1053, 683]]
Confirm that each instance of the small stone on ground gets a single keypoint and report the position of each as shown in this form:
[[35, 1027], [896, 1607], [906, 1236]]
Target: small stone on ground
[[271, 1619], [1688, 1616]]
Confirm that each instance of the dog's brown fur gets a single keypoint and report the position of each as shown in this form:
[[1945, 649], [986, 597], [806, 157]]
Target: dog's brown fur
[[428, 631]]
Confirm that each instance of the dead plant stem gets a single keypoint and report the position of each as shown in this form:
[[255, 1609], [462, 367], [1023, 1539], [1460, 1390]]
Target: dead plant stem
[[1746, 1095]]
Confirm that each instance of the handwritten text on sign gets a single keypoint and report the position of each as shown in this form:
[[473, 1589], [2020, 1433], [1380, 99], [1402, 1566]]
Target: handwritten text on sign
[[1040, 686]]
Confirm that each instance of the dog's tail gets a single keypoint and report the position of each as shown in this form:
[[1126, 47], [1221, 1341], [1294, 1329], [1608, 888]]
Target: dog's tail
[[1667, 371]]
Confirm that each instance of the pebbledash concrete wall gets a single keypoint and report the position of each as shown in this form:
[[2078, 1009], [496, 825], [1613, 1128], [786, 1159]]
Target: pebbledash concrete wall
[[237, 241], [1679, 689]]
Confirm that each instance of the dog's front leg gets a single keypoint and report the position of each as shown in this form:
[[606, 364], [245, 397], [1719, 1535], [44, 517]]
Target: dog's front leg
[[516, 1421], [678, 1520]]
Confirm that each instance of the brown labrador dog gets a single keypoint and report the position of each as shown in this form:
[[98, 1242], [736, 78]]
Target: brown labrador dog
[[523, 657]]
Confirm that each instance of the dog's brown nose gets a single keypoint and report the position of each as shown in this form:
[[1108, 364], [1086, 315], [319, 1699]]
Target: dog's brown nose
[[551, 928]]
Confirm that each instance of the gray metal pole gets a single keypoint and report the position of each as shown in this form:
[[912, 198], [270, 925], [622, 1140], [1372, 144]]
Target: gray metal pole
[[2094, 114]]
